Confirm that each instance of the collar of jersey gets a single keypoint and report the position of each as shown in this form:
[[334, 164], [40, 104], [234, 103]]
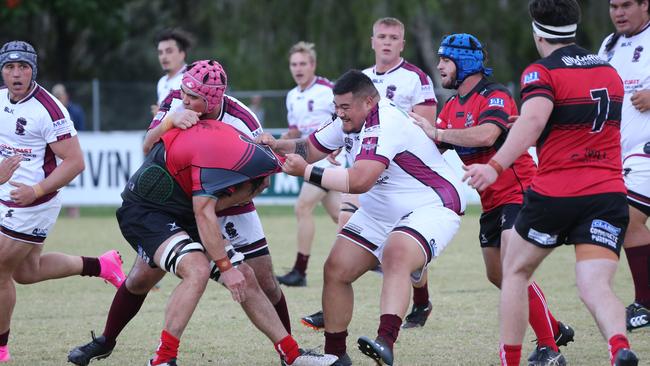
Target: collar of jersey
[[374, 69], [646, 26], [462, 99]]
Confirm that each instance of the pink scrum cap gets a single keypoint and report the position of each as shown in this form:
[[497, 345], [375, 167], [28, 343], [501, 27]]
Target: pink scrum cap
[[208, 80]]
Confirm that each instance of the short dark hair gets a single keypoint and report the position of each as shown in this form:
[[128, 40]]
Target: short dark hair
[[183, 39], [556, 13], [356, 82]]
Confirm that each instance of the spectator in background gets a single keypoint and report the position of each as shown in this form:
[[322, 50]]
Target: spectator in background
[[173, 45], [78, 119], [76, 112], [257, 106]]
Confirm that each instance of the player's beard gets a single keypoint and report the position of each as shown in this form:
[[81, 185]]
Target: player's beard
[[449, 82]]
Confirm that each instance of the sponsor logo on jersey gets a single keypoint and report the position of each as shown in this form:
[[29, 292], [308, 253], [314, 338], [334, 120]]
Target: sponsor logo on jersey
[[542, 238], [20, 126], [626, 44], [637, 54], [348, 144], [604, 232], [469, 120], [531, 77], [578, 60], [382, 180], [496, 102], [8, 110]]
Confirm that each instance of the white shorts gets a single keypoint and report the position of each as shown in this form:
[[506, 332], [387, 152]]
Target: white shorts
[[432, 228], [636, 170], [245, 233], [29, 224]]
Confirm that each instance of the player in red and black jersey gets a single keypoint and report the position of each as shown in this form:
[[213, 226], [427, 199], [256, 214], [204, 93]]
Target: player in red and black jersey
[[571, 110], [169, 216], [475, 124]]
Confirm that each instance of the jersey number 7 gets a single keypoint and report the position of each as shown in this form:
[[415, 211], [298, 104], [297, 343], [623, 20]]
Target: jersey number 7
[[602, 97]]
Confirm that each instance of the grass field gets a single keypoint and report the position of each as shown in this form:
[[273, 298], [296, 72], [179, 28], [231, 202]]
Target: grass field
[[53, 317]]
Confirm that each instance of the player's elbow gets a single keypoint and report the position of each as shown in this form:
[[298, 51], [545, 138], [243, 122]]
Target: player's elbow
[[362, 185]]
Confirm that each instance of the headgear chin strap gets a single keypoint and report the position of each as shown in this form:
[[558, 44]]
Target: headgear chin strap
[[466, 52], [554, 32], [19, 51]]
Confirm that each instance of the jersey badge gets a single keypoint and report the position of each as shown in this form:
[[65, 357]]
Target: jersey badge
[[348, 144], [20, 126], [390, 91], [469, 120], [231, 231], [8, 110], [531, 77], [637, 54], [310, 105], [496, 102]]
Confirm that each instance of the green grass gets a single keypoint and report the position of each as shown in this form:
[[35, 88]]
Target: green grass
[[52, 317]]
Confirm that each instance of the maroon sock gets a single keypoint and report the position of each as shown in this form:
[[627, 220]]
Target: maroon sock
[[639, 260], [389, 325], [283, 312], [301, 263], [4, 338], [421, 295], [335, 343], [124, 307], [91, 266]]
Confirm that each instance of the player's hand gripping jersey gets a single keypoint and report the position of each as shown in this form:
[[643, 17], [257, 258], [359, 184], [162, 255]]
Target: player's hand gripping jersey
[[579, 150], [416, 174]]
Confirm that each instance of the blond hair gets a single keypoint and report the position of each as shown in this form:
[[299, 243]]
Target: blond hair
[[304, 47], [390, 22]]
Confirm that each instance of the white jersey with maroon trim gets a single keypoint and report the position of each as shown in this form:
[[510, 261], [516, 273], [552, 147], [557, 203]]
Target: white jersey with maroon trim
[[416, 174], [405, 84], [27, 128], [631, 59], [233, 112], [167, 84], [308, 109]]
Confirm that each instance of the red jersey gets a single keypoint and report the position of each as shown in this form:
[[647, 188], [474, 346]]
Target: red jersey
[[212, 156], [580, 148], [489, 102]]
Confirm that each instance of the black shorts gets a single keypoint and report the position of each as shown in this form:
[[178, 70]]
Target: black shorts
[[147, 227], [496, 221], [549, 222]]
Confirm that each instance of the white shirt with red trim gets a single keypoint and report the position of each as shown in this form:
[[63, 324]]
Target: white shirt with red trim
[[416, 174], [167, 84], [310, 108], [27, 128], [631, 59], [405, 84]]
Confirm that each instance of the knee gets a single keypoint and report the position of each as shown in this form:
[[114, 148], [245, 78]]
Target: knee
[[304, 209], [494, 278], [336, 271], [196, 273], [249, 276], [24, 278]]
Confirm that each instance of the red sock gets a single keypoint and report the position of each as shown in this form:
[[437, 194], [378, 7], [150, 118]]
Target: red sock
[[283, 312], [421, 295], [638, 258], [538, 319], [288, 349], [167, 350], [616, 343], [301, 263], [335, 343], [389, 325], [510, 355]]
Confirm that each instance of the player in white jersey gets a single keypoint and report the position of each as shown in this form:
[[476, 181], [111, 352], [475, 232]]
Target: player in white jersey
[[241, 225], [628, 50], [411, 90], [309, 105], [410, 206], [40, 154], [173, 45]]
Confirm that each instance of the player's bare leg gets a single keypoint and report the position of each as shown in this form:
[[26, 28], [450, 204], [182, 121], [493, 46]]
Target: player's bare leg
[[637, 252], [345, 263], [332, 203], [263, 268], [349, 205]]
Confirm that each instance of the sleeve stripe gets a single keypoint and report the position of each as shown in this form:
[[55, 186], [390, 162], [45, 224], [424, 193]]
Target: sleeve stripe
[[50, 105], [318, 145]]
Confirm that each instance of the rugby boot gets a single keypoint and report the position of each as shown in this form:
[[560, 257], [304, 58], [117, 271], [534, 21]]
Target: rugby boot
[[4, 354], [376, 349], [293, 278], [636, 316], [343, 361], [95, 350], [545, 356], [312, 358], [418, 316], [111, 268], [565, 335], [171, 362], [626, 357], [315, 321]]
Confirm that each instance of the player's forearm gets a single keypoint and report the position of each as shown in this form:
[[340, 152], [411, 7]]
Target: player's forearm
[[153, 135], [210, 234], [64, 173], [479, 136], [522, 135]]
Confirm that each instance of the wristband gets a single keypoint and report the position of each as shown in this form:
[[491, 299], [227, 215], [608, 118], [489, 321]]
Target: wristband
[[316, 175], [496, 166], [38, 190], [223, 264]]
